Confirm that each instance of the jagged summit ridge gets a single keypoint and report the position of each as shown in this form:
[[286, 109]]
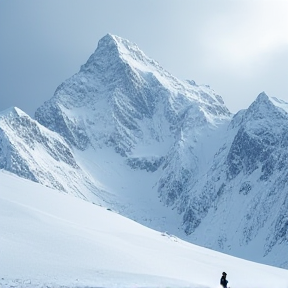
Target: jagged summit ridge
[[112, 48], [122, 87]]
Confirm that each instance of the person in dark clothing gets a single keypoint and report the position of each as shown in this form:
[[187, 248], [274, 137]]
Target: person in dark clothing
[[223, 280]]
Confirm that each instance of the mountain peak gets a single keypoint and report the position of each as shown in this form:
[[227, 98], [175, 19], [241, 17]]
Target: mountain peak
[[13, 111], [123, 46], [266, 107], [108, 40], [119, 42], [111, 49], [104, 56], [264, 99], [108, 37], [262, 96]]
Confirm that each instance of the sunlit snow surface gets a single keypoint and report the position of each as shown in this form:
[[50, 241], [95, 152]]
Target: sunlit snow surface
[[50, 239]]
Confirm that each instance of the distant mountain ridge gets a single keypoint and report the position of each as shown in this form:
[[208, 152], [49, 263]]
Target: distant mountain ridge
[[165, 152]]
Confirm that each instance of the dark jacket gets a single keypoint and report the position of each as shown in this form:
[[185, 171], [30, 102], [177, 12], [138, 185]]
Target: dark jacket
[[223, 282]]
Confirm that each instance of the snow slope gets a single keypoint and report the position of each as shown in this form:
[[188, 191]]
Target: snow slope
[[49, 239]]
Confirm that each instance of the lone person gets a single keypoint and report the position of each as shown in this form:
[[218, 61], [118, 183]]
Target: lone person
[[223, 280]]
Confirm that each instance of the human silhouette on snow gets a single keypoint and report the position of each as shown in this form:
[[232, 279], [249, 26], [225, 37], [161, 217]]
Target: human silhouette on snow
[[223, 280]]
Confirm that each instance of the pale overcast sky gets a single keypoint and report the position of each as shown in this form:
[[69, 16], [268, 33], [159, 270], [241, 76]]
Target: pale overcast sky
[[238, 47]]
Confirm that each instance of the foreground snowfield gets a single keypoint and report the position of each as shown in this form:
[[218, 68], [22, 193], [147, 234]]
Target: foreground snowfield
[[50, 239]]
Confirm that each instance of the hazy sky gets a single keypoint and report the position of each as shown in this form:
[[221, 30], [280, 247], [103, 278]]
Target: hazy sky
[[238, 47]]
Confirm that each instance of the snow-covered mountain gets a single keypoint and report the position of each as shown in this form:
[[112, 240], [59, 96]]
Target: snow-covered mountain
[[244, 195], [34, 152], [123, 100], [55, 240], [164, 152]]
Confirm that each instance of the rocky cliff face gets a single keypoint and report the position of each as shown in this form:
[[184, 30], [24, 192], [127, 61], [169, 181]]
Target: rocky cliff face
[[128, 132]]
